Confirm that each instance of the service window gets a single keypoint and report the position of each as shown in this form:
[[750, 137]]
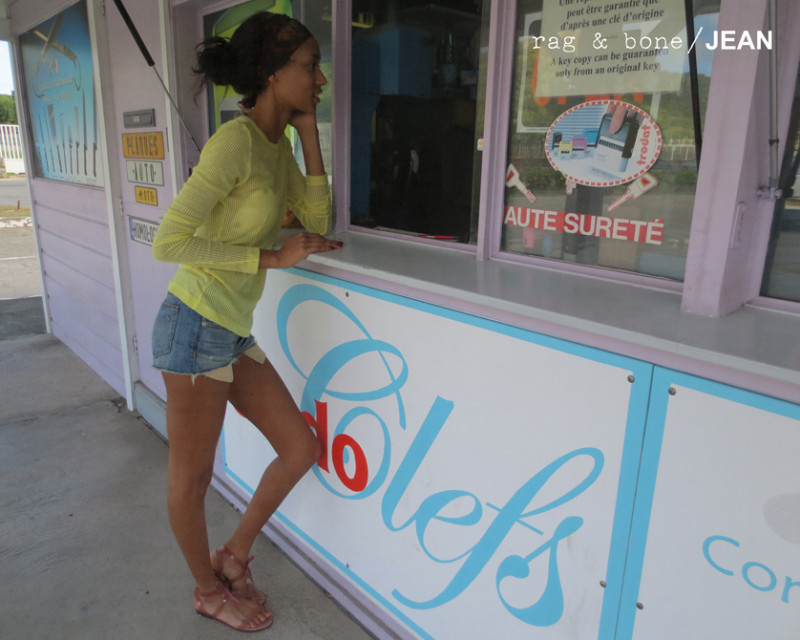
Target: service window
[[417, 93], [782, 272], [606, 128]]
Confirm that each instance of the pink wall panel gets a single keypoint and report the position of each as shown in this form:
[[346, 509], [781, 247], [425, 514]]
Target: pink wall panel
[[85, 260], [79, 229], [73, 234], [66, 303], [106, 362]]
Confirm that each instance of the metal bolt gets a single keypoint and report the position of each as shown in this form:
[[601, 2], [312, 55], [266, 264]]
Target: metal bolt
[[631, 379], [672, 391], [603, 584], [639, 605]]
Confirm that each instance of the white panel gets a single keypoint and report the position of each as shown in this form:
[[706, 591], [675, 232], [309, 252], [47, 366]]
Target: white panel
[[723, 550], [502, 454]]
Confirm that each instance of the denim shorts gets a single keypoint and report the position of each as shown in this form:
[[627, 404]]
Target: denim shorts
[[185, 342]]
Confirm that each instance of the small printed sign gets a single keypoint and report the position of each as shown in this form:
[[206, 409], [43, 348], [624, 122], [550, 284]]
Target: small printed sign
[[146, 172], [148, 146], [146, 195], [143, 230], [603, 143]]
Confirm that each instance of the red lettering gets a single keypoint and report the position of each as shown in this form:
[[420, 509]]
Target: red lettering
[[356, 482], [645, 145]]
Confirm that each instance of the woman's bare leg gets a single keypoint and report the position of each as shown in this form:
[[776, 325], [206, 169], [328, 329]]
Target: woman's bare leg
[[195, 411], [259, 394]]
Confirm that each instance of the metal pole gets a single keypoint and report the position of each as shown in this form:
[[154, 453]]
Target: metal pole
[[151, 63], [695, 89], [774, 161]]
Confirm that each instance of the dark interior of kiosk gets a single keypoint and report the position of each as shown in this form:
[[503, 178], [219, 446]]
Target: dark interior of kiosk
[[414, 100]]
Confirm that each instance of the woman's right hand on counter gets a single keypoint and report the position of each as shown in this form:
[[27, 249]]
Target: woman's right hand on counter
[[296, 248]]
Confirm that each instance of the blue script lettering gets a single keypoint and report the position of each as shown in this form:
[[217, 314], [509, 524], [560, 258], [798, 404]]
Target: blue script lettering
[[319, 378], [323, 372], [549, 608], [519, 508], [765, 578], [514, 512]]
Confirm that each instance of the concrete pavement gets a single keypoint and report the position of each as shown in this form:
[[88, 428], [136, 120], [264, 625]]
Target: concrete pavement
[[85, 545]]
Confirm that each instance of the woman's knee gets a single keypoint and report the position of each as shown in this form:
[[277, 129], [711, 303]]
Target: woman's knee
[[189, 485], [306, 451], [314, 451]]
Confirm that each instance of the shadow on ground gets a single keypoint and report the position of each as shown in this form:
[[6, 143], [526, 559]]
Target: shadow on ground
[[21, 317]]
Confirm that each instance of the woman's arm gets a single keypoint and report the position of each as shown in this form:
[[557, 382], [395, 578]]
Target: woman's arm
[[308, 132], [221, 166], [309, 196]]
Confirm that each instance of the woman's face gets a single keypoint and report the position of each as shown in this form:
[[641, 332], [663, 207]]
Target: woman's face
[[299, 82]]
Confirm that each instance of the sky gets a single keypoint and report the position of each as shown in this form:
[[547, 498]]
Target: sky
[[6, 79]]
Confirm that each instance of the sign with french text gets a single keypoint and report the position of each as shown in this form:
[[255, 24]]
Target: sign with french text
[[145, 172], [146, 195], [646, 231], [142, 231], [598, 47], [470, 480], [147, 146]]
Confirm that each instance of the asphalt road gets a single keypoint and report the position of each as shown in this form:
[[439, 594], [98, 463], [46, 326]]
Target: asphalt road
[[19, 263], [14, 190]]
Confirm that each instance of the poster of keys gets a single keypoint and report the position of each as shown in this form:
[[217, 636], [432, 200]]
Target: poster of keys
[[59, 91]]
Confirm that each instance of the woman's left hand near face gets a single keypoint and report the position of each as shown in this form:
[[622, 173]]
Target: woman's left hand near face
[[304, 121]]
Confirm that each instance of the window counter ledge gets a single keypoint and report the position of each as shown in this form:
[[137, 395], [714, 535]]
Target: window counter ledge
[[752, 348]]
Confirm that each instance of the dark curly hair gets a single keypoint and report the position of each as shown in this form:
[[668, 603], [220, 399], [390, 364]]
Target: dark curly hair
[[258, 48]]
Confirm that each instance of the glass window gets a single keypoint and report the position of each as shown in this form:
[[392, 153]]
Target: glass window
[[59, 91], [605, 132], [782, 272], [223, 103], [417, 94]]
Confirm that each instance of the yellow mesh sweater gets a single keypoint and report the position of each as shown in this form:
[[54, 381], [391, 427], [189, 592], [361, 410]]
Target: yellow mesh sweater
[[230, 208]]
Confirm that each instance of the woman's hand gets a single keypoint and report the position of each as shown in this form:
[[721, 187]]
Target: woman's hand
[[296, 248], [305, 122], [306, 125]]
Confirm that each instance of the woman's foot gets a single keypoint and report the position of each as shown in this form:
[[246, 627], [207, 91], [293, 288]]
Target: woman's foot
[[226, 607], [237, 573]]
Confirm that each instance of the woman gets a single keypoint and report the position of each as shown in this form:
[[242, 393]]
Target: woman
[[221, 228]]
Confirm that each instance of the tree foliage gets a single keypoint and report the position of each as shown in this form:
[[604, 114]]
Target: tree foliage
[[8, 110]]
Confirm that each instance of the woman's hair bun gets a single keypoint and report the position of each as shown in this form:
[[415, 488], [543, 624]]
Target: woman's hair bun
[[258, 48], [216, 60]]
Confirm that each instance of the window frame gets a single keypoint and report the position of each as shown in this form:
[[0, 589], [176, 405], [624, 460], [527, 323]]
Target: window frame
[[731, 220]]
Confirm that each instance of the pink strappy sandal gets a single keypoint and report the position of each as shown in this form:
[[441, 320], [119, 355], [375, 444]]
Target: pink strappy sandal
[[228, 600], [250, 591]]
